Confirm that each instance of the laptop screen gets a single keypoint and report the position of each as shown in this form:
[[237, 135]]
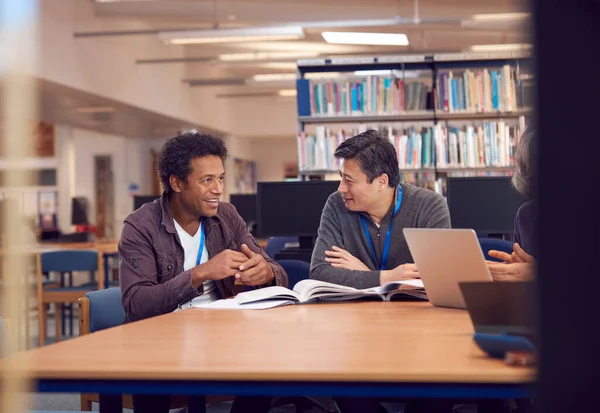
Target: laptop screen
[[500, 307]]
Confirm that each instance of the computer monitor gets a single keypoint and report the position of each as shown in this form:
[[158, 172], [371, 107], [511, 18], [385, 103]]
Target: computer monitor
[[245, 205], [486, 204], [139, 200], [79, 211], [292, 209]]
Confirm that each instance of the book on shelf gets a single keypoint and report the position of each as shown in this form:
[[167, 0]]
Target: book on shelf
[[489, 144], [368, 95], [485, 90], [414, 147], [311, 291]]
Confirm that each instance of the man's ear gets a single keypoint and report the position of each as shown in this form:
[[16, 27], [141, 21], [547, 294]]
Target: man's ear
[[382, 181], [177, 185]]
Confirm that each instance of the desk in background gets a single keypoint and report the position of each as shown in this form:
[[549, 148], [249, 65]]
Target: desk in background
[[374, 349]]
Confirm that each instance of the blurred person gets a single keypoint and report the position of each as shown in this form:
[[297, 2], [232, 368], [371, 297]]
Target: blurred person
[[520, 265]]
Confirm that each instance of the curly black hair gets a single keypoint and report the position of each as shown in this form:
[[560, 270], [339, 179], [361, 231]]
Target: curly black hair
[[175, 156]]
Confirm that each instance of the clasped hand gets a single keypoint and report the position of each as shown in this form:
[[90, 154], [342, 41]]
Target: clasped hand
[[248, 267]]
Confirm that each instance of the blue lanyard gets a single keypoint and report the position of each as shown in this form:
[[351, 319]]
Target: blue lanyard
[[201, 249], [386, 246]]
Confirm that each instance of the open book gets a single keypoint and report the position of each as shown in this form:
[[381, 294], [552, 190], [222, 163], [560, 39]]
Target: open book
[[307, 291]]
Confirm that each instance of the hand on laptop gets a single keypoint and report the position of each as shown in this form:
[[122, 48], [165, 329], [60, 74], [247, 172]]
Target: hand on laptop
[[340, 258], [401, 272], [518, 255]]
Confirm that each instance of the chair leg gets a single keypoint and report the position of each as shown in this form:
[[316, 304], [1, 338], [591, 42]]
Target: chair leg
[[86, 403], [42, 323], [58, 321]]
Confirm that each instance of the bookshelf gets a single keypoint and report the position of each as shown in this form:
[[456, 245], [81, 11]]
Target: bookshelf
[[447, 114]]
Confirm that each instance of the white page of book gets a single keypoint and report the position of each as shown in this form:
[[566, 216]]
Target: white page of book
[[267, 293], [233, 304]]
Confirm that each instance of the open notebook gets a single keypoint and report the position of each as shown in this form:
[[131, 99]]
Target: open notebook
[[310, 291]]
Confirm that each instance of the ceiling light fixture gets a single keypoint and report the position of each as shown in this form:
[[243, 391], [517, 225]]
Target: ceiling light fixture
[[382, 39], [274, 77], [247, 57], [287, 92], [95, 109], [500, 16], [500, 47], [250, 34]]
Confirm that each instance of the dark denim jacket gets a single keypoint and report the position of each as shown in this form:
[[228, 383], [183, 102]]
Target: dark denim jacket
[[151, 258]]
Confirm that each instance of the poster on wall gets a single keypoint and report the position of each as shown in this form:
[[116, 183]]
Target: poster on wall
[[245, 176]]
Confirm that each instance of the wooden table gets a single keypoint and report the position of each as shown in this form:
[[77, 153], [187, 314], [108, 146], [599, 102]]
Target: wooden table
[[375, 349]]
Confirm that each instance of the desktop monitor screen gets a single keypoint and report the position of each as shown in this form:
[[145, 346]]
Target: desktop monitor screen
[[292, 208], [245, 205], [486, 204], [79, 211], [140, 200]]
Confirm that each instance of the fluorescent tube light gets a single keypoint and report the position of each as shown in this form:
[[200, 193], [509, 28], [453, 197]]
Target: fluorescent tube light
[[246, 57], [384, 39], [274, 77], [411, 74], [250, 34], [287, 92], [95, 109], [500, 16], [500, 47]]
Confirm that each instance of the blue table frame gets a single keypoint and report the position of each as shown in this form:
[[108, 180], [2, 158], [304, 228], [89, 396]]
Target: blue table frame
[[111, 390]]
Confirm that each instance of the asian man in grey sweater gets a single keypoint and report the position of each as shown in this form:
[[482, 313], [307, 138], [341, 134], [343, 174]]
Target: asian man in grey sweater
[[360, 241]]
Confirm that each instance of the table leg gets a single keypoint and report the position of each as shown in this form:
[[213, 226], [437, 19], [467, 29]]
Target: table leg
[[111, 403], [196, 404]]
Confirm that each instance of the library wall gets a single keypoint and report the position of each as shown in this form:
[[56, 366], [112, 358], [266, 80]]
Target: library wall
[[107, 66], [240, 148], [125, 169], [261, 117], [272, 155]]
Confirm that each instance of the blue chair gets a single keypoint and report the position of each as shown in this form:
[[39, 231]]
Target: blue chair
[[65, 262], [100, 310], [296, 271], [276, 244], [497, 244]]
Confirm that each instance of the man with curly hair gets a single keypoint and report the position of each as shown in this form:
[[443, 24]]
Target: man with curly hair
[[188, 247]]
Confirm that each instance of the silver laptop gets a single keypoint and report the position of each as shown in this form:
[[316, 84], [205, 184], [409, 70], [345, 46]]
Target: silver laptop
[[445, 258]]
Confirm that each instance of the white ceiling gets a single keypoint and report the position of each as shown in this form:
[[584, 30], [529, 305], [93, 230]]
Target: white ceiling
[[438, 29], [432, 26]]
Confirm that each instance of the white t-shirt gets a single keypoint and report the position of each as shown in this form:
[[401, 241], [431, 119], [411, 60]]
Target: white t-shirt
[[191, 245]]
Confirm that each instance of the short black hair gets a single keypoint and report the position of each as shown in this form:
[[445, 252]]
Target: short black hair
[[175, 156], [375, 154]]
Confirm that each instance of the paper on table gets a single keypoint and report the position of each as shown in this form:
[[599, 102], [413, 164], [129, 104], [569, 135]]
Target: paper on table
[[232, 304]]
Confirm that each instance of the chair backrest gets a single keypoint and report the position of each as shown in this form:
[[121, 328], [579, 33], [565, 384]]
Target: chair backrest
[[276, 244], [497, 244], [296, 271], [69, 260], [105, 309]]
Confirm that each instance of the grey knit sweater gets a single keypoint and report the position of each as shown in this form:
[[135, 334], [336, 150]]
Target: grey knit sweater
[[420, 208]]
